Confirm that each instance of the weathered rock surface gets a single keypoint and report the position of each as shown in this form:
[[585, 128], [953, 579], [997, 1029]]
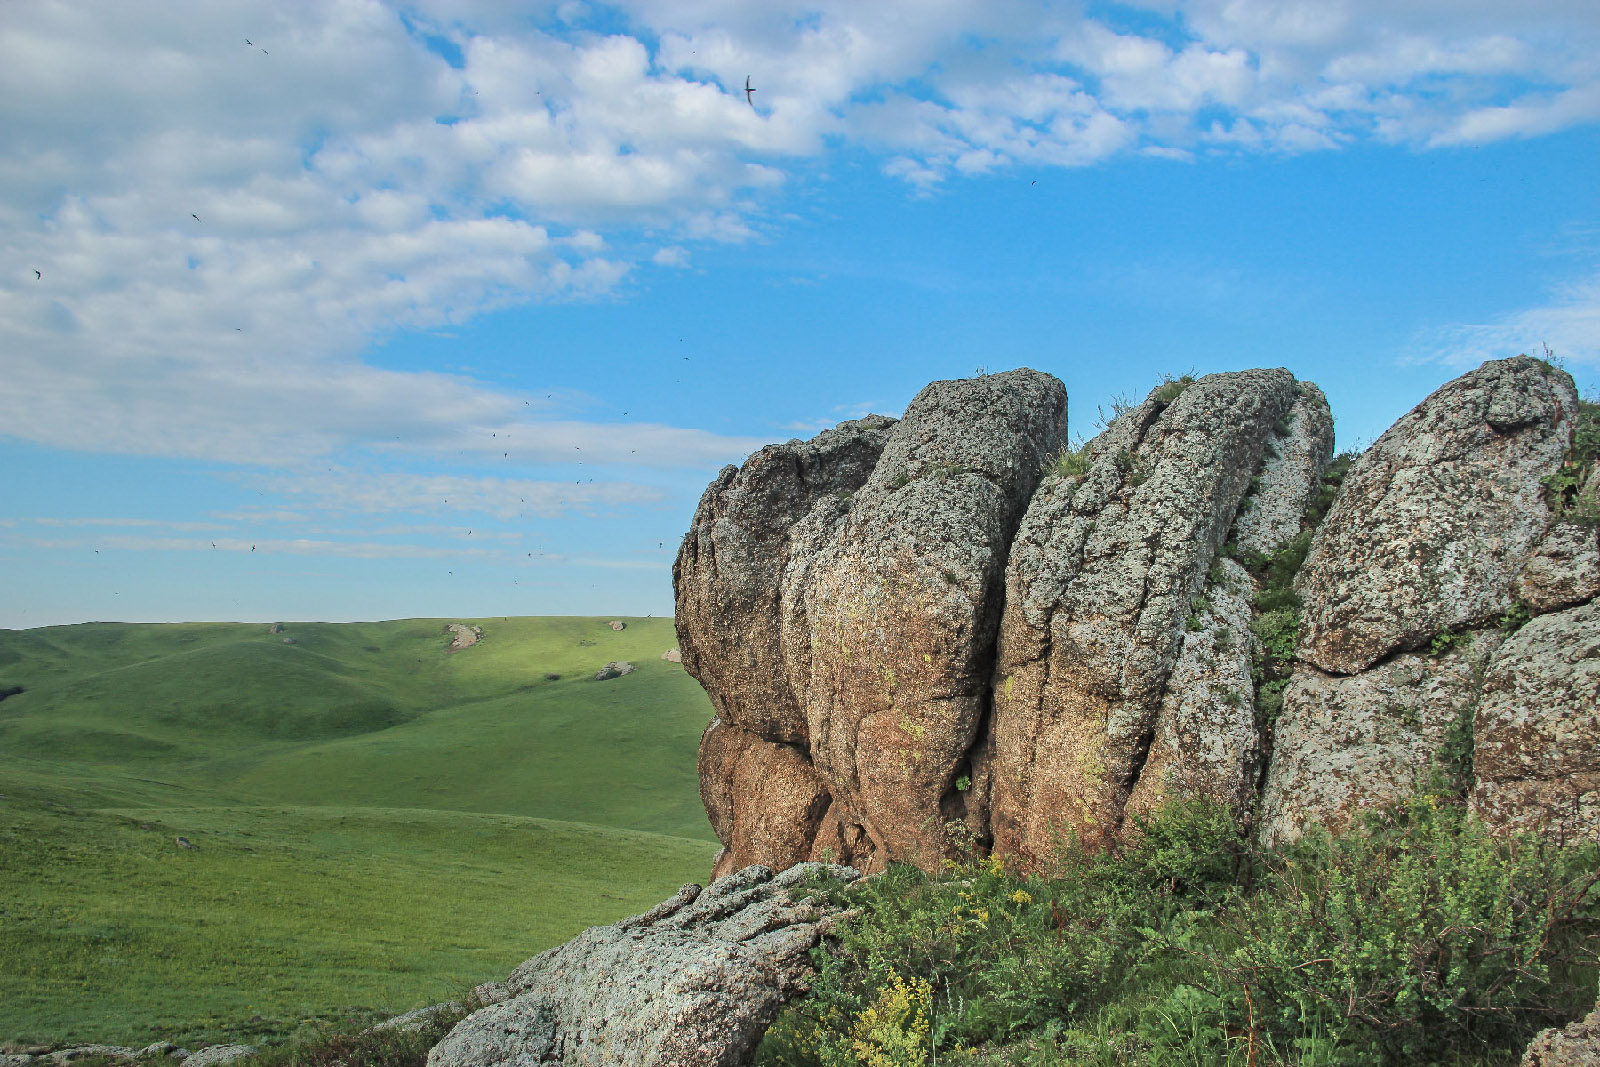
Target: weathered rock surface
[[1436, 521], [1537, 730], [1576, 1045], [903, 604], [1565, 566], [694, 982], [1438, 531], [1351, 744], [1206, 744], [763, 797], [1293, 466], [216, 1055], [614, 669], [1098, 591], [728, 577], [617, 625], [463, 636]]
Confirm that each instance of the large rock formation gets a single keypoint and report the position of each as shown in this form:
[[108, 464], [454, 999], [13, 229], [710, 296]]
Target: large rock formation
[[693, 982], [838, 598], [948, 634], [1103, 580], [1440, 531], [903, 604], [1438, 519]]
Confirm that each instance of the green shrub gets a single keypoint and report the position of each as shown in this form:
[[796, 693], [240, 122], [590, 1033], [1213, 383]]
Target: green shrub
[[1069, 463], [1564, 490], [1327, 488], [1420, 939], [1171, 388]]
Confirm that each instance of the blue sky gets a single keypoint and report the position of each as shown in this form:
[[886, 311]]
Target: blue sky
[[453, 309]]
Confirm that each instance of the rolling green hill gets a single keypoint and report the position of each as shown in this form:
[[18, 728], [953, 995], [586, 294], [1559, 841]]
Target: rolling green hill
[[377, 821]]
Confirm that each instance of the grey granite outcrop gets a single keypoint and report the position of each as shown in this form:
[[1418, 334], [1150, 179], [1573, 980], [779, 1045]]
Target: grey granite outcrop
[[693, 982]]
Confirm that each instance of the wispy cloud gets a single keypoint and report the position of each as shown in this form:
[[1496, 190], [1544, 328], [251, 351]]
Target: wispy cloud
[[1569, 324], [350, 491], [295, 546]]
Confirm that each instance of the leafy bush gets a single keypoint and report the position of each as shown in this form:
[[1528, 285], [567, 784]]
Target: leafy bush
[[1419, 940]]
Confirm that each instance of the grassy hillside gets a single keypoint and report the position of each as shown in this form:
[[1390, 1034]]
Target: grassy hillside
[[377, 820]]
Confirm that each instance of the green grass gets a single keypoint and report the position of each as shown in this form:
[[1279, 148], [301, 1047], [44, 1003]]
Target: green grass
[[378, 822], [1420, 940]]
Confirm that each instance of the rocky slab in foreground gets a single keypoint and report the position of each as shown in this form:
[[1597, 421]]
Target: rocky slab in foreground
[[693, 982]]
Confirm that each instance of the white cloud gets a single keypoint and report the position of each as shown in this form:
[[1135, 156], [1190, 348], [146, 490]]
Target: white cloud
[[220, 228]]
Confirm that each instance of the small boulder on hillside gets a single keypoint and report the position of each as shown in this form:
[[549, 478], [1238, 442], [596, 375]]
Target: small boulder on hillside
[[183, 842], [672, 655], [615, 669], [617, 625], [463, 636], [275, 628], [217, 1055], [693, 982]]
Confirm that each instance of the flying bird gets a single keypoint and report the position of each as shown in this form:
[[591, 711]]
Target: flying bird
[[37, 276], [192, 215], [249, 42], [747, 91]]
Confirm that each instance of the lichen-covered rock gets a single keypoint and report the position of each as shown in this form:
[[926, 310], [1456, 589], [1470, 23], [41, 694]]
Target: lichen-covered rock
[[728, 577], [217, 1055], [902, 605], [1575, 1045], [1537, 730], [1296, 457], [1206, 744], [762, 797], [694, 982], [1345, 745], [1099, 587], [1565, 566], [1435, 522]]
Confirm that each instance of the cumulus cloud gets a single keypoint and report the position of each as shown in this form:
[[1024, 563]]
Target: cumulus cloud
[[226, 205]]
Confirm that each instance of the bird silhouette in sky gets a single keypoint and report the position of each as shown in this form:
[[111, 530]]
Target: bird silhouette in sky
[[748, 97], [192, 215], [249, 42], [37, 276]]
